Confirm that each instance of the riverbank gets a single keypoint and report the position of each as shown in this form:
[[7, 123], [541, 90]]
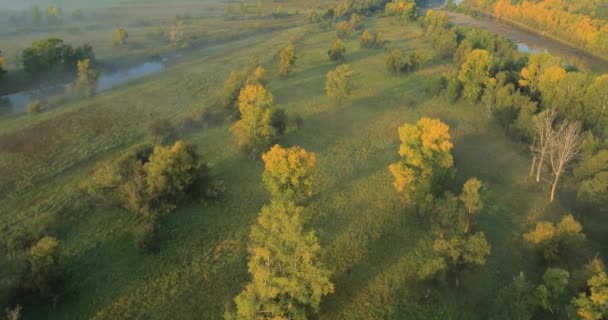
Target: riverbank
[[538, 41]]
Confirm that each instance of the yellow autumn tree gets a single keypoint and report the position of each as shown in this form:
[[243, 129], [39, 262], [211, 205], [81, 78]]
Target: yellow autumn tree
[[254, 131], [288, 59], [288, 173], [86, 81], [475, 72], [426, 158]]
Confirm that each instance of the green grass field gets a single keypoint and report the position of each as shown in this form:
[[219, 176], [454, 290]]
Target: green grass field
[[370, 243]]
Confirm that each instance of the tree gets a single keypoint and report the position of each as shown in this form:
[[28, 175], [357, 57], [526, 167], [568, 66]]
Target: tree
[[53, 14], [287, 279], [462, 252], [475, 72], [592, 305], [288, 59], [596, 98], [343, 30], [337, 51], [513, 301], [288, 173], [44, 275], [591, 175], [232, 89], [544, 139], [471, 199], [86, 81], [567, 145], [403, 9], [53, 54], [398, 62], [531, 73], [426, 158], [119, 36], [547, 295], [551, 240], [356, 21], [338, 84], [254, 131], [369, 40]]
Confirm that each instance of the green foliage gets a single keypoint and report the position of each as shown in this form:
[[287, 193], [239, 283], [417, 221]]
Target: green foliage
[[338, 83], [434, 85], [287, 279], [405, 10], [52, 54], [463, 252], [475, 72], [150, 179], [513, 301], [548, 294], [471, 199], [279, 121], [398, 62], [119, 36], [288, 59], [147, 235], [254, 131], [442, 38], [555, 241], [369, 40], [44, 273], [337, 51], [453, 90]]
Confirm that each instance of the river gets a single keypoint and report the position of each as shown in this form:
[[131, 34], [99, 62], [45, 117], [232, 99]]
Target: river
[[17, 102]]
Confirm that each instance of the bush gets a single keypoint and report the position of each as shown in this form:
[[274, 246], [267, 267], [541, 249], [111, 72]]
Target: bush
[[397, 62], [435, 84], [343, 30], [35, 106], [453, 90], [44, 274], [369, 40], [338, 84], [278, 120], [337, 51]]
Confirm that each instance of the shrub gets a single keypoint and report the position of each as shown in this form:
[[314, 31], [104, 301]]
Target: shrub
[[343, 30], [34, 107], [435, 84], [338, 84], [337, 51], [278, 120]]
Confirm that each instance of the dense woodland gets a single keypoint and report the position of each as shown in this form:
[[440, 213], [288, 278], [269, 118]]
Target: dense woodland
[[240, 205], [581, 23]]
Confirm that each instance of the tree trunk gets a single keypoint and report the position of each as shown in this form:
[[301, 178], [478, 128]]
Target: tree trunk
[[533, 165], [554, 188], [540, 165]]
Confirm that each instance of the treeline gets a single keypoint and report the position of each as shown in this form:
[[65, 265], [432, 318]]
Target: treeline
[[558, 18], [539, 101], [560, 113]]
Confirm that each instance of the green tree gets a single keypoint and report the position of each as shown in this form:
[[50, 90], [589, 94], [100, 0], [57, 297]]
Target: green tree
[[463, 252], [548, 294], [119, 36], [44, 274], [53, 54], [356, 21], [475, 72], [338, 83], [398, 62], [551, 240], [288, 59], [232, 89], [513, 301], [425, 158], [471, 199], [337, 51], [287, 279], [254, 131], [288, 172]]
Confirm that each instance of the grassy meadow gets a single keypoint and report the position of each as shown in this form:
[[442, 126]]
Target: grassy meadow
[[372, 246]]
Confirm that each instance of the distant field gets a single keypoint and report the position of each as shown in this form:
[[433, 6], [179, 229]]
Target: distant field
[[372, 246]]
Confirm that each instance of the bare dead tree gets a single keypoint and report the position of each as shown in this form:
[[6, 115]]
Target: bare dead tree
[[566, 146], [545, 135]]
